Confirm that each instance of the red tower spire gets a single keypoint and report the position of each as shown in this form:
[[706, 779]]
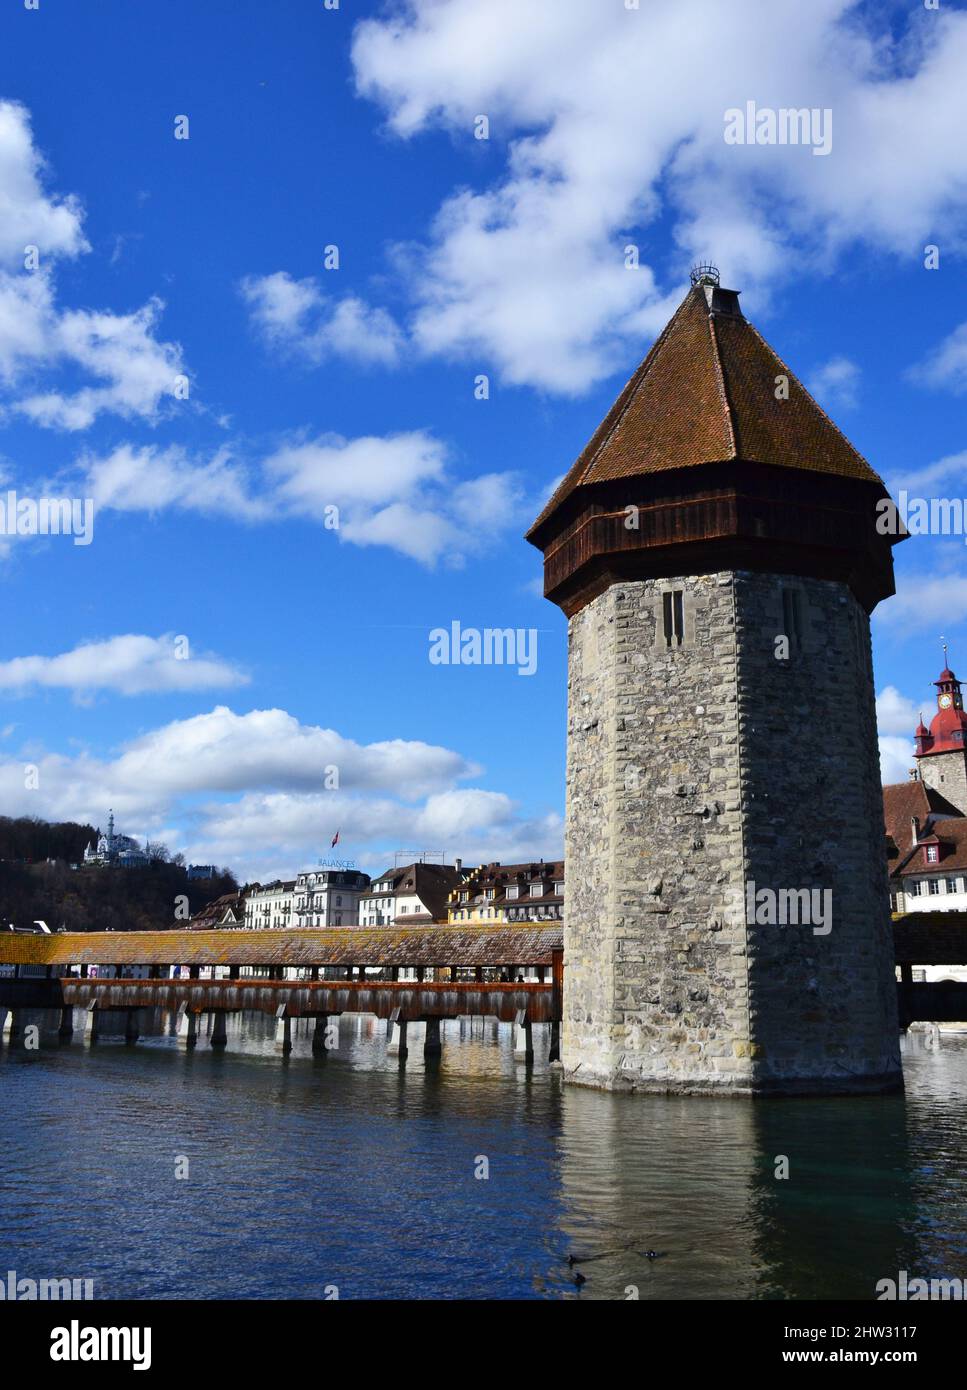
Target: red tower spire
[[948, 728]]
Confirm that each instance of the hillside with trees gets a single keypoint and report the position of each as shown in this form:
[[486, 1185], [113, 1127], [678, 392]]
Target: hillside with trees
[[95, 898]]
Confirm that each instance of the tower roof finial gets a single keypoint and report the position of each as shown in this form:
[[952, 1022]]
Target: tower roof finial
[[705, 273]]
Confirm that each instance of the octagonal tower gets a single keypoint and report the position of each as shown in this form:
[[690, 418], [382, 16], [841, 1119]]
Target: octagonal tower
[[717, 553]]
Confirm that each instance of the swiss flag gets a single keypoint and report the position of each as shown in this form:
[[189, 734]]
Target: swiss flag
[[335, 840]]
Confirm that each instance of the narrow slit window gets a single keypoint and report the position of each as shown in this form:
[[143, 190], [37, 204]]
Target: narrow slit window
[[792, 617], [674, 617]]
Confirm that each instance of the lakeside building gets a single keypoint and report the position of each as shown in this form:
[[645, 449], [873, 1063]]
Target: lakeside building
[[926, 818], [412, 896], [269, 906], [226, 913], [498, 892], [328, 897]]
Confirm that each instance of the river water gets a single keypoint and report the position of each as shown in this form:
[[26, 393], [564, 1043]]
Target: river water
[[306, 1176]]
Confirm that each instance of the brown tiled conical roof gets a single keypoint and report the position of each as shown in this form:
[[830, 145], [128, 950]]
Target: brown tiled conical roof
[[706, 393]]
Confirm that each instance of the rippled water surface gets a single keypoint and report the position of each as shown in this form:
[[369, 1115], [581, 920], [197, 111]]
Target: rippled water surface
[[308, 1173]]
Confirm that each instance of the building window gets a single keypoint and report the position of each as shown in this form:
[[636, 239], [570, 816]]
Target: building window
[[953, 885], [673, 612], [537, 890], [559, 889], [792, 617], [491, 894], [933, 854], [513, 892], [934, 885]]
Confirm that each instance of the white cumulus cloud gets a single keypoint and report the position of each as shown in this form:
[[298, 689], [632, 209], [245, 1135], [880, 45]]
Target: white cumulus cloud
[[595, 139]]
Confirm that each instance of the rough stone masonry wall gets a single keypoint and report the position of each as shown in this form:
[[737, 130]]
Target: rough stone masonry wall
[[822, 1006], [689, 771], [947, 774], [655, 985]]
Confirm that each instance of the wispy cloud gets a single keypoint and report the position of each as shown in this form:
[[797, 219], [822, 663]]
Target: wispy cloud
[[296, 317], [132, 664], [836, 383], [393, 490], [946, 367], [130, 370]]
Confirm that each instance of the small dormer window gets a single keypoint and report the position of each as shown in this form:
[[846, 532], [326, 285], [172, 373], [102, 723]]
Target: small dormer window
[[537, 890], [933, 854], [491, 894]]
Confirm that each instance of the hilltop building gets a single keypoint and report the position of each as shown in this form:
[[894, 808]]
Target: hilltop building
[[118, 851], [716, 553]]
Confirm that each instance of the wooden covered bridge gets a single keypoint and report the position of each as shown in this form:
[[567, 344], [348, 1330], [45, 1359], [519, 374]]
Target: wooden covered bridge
[[410, 975]]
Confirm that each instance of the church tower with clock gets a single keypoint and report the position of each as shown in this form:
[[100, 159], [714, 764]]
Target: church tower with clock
[[716, 553], [941, 750]]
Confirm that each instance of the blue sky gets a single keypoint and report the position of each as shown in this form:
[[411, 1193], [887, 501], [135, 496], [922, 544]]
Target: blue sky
[[204, 259]]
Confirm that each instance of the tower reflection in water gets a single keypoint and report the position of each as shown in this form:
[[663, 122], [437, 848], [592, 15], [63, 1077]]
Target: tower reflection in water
[[681, 1198]]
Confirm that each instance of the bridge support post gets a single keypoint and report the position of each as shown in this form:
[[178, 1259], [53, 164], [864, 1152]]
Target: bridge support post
[[66, 1029], [396, 1047], [187, 1026], [131, 1033], [283, 1031], [523, 1037], [554, 1052], [432, 1046], [12, 1026], [90, 1023], [219, 1037], [320, 1046]]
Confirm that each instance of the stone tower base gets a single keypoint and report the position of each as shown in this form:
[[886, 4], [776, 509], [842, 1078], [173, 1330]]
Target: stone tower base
[[709, 784]]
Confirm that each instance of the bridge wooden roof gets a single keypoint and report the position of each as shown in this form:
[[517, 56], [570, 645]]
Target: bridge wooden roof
[[468, 946]]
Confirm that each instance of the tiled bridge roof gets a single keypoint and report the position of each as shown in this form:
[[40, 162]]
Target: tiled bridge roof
[[372, 946]]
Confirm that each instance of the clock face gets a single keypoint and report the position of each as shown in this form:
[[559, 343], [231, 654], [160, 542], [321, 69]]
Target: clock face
[[945, 701]]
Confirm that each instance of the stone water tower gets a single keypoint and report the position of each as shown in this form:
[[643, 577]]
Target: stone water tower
[[715, 549]]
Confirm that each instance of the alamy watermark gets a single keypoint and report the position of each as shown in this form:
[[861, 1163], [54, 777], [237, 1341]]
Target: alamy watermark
[[14, 1290], [789, 125], [489, 646], [902, 1289], [77, 1343], [789, 907], [47, 516], [921, 516]]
